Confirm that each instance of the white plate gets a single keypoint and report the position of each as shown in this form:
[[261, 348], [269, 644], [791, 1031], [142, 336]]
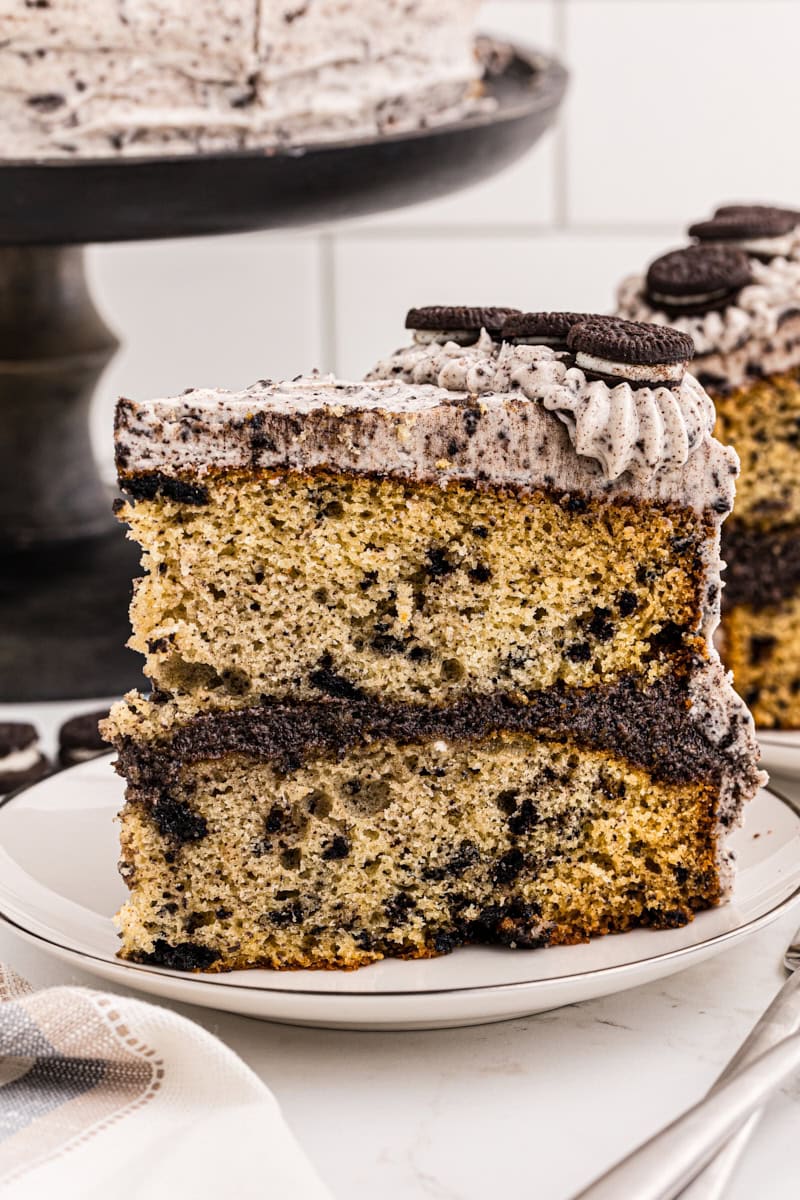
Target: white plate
[[780, 751], [59, 887]]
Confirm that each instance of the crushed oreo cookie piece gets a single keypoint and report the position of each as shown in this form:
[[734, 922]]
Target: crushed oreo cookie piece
[[457, 324], [543, 328], [760, 231], [630, 350], [21, 760], [186, 956], [79, 739], [151, 485], [697, 279]]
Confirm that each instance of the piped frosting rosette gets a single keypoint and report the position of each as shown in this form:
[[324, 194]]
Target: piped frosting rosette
[[627, 415], [623, 426]]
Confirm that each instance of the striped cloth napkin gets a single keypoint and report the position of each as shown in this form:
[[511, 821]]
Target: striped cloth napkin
[[103, 1096]]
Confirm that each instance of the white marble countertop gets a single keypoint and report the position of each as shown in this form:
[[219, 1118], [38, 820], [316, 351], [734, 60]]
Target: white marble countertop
[[533, 1107]]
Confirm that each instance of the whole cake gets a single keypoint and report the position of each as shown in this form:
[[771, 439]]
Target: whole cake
[[737, 292], [100, 77], [431, 662]]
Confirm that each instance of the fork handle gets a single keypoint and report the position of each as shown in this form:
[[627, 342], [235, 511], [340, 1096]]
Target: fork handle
[[780, 1020], [713, 1180], [662, 1167]]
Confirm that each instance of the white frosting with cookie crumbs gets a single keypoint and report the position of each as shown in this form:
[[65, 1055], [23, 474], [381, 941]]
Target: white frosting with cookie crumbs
[[731, 343], [108, 77], [530, 421], [628, 427]]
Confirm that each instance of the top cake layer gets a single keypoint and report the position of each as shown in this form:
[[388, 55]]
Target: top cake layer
[[100, 76], [542, 423]]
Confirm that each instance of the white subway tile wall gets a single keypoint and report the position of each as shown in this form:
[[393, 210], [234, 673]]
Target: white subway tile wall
[[673, 106]]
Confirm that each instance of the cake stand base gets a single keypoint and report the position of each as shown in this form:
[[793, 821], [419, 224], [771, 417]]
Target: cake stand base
[[65, 565], [64, 620]]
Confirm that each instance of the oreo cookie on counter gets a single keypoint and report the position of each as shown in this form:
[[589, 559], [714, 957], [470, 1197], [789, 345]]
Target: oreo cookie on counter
[[633, 351], [697, 279], [759, 230], [79, 739], [21, 760], [440, 322]]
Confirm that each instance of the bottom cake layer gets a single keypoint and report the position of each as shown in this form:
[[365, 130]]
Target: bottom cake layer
[[762, 647], [409, 850]]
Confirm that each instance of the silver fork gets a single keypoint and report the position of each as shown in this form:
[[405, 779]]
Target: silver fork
[[692, 1159], [781, 1019]]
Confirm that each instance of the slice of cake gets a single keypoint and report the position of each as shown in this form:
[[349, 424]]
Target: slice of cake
[[737, 292], [430, 665], [97, 77]]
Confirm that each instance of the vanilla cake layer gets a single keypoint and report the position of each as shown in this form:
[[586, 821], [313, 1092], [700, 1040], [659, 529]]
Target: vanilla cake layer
[[319, 585], [407, 849], [762, 422], [761, 645]]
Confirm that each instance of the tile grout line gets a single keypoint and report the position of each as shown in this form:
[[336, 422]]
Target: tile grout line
[[507, 231], [328, 332]]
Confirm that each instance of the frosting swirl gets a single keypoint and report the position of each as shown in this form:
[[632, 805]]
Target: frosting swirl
[[623, 427]]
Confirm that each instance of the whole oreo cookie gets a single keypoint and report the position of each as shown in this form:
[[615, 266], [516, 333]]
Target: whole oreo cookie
[[761, 231], [21, 760], [79, 739], [542, 328], [697, 279], [630, 350], [757, 210], [442, 319]]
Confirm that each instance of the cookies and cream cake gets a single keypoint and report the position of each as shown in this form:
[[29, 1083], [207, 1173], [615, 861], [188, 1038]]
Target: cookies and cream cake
[[104, 77], [431, 653], [736, 291]]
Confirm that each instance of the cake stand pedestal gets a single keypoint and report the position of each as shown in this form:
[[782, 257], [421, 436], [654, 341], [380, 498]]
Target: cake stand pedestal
[[65, 566]]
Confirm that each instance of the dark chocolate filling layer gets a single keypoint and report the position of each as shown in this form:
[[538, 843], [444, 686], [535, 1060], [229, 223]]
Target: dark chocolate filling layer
[[650, 728], [763, 568]]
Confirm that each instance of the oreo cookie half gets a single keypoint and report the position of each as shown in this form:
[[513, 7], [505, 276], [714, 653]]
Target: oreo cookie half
[[21, 760], [630, 350], [542, 328], [79, 739], [763, 232], [697, 279], [738, 210], [440, 323]]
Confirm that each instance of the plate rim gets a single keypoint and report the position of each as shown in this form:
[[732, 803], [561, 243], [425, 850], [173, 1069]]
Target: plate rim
[[778, 737], [221, 979]]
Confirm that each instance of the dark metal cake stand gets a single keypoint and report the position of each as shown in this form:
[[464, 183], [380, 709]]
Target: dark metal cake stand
[[65, 567]]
